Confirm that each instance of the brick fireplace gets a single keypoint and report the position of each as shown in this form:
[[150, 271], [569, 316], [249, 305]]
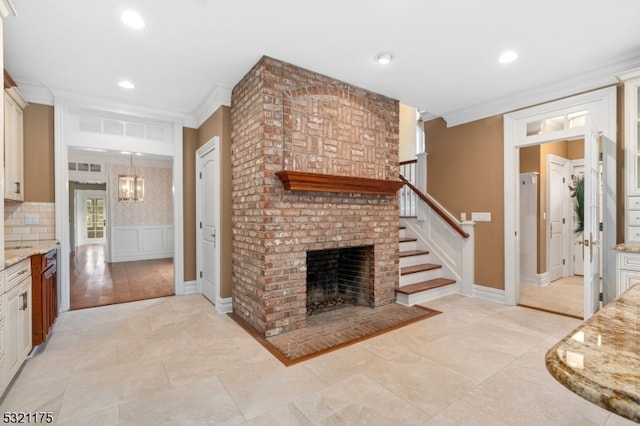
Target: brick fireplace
[[285, 118]]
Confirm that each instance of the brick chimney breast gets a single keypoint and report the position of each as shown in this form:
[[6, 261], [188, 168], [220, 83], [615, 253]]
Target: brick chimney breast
[[287, 118]]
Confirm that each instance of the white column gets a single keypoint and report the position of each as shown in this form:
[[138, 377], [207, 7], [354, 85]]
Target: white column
[[468, 259]]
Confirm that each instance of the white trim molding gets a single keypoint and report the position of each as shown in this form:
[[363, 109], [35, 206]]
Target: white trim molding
[[189, 287], [489, 293], [7, 8], [589, 81], [63, 107]]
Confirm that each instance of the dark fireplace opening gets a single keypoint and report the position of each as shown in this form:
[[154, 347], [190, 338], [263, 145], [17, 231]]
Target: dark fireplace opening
[[339, 277]]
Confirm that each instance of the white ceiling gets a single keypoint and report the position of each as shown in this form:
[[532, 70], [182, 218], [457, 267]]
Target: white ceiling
[[192, 52]]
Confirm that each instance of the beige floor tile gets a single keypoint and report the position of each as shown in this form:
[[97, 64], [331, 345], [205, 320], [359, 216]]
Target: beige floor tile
[[110, 386], [200, 403], [341, 364], [423, 383], [108, 417], [175, 360], [288, 415], [358, 400], [474, 360], [258, 388]]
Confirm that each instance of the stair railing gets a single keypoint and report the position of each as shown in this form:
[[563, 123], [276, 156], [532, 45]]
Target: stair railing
[[408, 198], [450, 240]]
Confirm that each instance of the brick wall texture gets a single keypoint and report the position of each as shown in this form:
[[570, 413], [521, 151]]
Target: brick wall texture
[[287, 118]]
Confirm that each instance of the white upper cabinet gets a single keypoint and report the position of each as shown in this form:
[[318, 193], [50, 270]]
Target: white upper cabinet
[[631, 80], [14, 105]]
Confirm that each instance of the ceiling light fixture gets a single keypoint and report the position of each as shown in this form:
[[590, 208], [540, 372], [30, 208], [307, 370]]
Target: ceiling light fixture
[[132, 19], [126, 84], [383, 58], [508, 56], [131, 185]]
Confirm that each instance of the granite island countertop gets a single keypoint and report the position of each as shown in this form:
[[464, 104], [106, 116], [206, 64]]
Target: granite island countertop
[[633, 248], [15, 251], [600, 360]]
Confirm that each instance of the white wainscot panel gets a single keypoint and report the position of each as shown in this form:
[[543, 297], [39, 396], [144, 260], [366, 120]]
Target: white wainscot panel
[[141, 242]]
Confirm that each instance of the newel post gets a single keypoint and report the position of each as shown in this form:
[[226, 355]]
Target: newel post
[[421, 182], [468, 259]]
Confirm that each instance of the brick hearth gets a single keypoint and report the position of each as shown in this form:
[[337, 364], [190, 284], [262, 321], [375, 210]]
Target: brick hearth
[[288, 118]]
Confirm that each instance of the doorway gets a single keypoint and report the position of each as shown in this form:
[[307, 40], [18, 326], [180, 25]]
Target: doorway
[[100, 130], [548, 277], [101, 271], [567, 119], [91, 217]]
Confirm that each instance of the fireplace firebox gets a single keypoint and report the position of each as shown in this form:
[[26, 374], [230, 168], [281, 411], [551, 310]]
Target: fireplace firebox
[[339, 277]]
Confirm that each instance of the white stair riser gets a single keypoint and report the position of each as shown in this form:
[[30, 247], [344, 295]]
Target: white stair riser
[[403, 232], [408, 245], [425, 296], [414, 260], [420, 276]]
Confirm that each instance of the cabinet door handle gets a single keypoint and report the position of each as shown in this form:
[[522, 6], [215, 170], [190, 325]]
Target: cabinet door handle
[[24, 301], [17, 187]]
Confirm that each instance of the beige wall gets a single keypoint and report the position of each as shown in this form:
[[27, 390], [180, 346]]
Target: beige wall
[[407, 133], [219, 124], [465, 174], [38, 154]]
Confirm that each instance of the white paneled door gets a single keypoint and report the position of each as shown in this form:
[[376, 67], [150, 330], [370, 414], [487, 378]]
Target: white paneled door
[[591, 221], [208, 212]]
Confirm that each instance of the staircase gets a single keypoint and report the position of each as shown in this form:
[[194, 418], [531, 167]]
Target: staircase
[[420, 275]]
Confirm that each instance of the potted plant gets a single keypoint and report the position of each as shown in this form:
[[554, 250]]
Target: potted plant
[[578, 201]]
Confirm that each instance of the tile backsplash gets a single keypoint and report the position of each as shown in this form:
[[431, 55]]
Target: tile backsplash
[[29, 221]]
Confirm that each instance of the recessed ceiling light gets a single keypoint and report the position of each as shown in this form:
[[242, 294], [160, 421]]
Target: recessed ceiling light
[[132, 19], [383, 58], [508, 56], [126, 84]]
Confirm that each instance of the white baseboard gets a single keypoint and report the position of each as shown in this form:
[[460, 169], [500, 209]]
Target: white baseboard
[[488, 293], [224, 305], [188, 287]]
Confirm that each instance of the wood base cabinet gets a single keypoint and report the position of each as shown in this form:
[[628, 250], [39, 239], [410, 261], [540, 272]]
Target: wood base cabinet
[[44, 294]]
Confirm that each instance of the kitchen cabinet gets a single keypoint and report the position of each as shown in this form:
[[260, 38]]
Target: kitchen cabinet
[[628, 268], [628, 253], [18, 317], [44, 295], [631, 80], [14, 105]]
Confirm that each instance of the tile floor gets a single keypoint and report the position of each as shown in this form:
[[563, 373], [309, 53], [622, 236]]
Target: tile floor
[[174, 360]]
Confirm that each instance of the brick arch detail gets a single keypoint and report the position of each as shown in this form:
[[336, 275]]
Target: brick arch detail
[[349, 140]]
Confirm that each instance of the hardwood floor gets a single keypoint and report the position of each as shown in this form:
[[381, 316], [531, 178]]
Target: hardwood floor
[[96, 283]]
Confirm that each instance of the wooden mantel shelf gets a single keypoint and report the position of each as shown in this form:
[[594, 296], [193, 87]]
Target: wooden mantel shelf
[[317, 182]]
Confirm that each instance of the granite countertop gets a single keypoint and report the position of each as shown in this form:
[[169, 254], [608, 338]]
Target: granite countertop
[[600, 360], [15, 251], [627, 247]]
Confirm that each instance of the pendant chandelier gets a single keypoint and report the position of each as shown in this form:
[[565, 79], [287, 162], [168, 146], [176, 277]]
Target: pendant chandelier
[[131, 185]]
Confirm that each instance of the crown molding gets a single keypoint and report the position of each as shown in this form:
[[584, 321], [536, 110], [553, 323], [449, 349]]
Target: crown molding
[[595, 79], [7, 8], [35, 93], [217, 97]]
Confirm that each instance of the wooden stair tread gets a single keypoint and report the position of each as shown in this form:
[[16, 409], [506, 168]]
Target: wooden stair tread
[[407, 239], [412, 253], [424, 285], [418, 268]]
